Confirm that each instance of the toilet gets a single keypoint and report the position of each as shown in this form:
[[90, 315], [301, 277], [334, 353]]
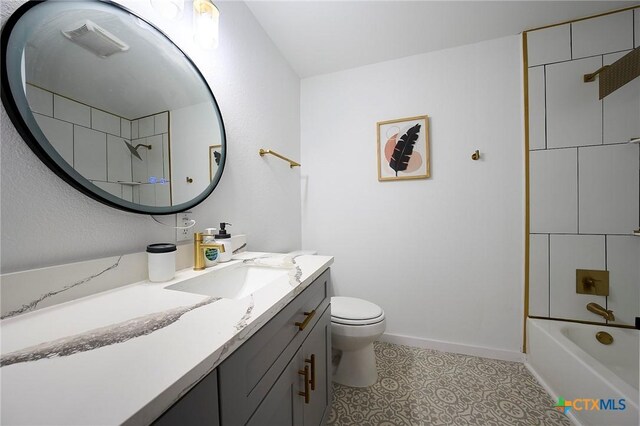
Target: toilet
[[355, 325]]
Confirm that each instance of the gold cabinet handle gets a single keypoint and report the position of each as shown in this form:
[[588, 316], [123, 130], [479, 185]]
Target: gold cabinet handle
[[303, 324], [312, 361], [306, 393]]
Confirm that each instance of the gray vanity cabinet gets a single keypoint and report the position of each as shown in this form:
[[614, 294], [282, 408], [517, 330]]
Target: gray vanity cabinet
[[317, 347], [198, 407], [262, 377], [260, 384], [286, 403]]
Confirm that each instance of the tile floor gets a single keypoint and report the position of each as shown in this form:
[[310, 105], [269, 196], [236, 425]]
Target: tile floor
[[426, 387]]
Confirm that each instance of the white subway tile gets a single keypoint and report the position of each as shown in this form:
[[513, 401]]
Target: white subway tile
[[609, 189], [549, 45], [90, 153], [621, 109], [165, 156], [136, 194], [125, 128], [539, 275], [105, 122], [146, 127], [40, 101], [118, 160], [127, 192], [537, 124], [605, 34], [114, 189], [154, 157], [134, 129], [636, 26], [623, 263], [140, 171], [574, 112], [59, 134], [554, 191], [163, 195], [568, 253], [71, 111], [161, 123], [147, 194]]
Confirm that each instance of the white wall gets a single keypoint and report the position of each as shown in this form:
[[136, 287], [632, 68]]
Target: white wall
[[442, 256], [46, 222]]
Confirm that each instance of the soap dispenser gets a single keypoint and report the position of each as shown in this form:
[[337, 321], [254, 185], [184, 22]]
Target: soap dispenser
[[211, 255], [224, 238]]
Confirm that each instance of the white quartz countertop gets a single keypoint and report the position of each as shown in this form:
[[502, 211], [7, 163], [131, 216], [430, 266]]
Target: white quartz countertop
[[126, 355]]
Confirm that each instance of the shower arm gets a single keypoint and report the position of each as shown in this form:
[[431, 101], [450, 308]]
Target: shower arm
[[588, 78]]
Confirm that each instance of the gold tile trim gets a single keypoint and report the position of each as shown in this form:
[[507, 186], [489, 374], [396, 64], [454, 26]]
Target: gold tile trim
[[525, 79], [597, 15]]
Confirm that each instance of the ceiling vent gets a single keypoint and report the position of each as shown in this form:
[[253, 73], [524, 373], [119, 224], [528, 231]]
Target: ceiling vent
[[96, 39]]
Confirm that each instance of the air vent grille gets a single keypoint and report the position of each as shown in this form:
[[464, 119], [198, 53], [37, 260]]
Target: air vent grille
[[96, 39]]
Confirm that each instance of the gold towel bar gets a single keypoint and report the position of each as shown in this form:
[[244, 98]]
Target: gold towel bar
[[292, 163]]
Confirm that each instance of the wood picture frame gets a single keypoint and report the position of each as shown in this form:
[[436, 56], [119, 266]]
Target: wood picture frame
[[403, 149], [214, 161]]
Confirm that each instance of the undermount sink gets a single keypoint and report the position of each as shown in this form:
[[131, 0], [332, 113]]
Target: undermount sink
[[233, 282]]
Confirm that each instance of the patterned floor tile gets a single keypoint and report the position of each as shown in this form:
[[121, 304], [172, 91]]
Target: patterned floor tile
[[426, 387]]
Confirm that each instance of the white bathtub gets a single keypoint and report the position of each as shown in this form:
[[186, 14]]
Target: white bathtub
[[569, 361]]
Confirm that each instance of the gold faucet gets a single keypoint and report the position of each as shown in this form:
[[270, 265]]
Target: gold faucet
[[599, 310], [198, 250]]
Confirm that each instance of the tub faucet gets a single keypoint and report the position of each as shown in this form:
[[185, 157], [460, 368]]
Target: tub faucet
[[599, 310]]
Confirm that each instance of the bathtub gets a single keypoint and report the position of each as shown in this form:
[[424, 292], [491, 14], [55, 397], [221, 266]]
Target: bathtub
[[570, 363]]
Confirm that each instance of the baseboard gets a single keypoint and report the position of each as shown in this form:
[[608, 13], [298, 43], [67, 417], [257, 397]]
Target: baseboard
[[458, 348]]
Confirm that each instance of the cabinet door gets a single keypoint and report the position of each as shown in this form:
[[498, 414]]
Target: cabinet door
[[283, 405], [248, 374], [316, 351], [198, 407]]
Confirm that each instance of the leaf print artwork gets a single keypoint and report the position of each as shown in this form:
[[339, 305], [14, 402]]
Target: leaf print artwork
[[404, 152]]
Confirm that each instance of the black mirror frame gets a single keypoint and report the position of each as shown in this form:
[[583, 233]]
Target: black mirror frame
[[49, 156]]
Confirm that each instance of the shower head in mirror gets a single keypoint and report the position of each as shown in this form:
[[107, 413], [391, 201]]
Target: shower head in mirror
[[134, 149]]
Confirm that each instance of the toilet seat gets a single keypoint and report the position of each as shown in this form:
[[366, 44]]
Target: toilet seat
[[355, 312]]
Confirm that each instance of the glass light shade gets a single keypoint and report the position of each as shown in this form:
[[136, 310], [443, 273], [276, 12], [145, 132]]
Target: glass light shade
[[206, 21], [170, 9]]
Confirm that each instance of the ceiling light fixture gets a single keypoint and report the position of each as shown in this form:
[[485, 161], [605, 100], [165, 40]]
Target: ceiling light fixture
[[170, 9], [206, 21]]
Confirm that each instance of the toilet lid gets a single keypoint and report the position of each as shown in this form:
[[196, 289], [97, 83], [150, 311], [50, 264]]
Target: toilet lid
[[351, 309]]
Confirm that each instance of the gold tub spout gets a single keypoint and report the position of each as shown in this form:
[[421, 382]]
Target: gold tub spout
[[599, 310], [198, 250]]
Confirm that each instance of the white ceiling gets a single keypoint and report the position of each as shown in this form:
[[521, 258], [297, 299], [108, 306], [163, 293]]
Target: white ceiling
[[318, 37]]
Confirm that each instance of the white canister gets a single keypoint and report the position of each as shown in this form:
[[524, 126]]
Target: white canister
[[162, 262]]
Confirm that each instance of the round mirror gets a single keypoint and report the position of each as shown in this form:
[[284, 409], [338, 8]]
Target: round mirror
[[111, 105]]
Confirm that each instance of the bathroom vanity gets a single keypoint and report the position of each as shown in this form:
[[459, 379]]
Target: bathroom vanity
[[193, 350], [280, 376]]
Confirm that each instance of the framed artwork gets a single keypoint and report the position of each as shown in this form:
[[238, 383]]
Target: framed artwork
[[403, 149], [214, 159]]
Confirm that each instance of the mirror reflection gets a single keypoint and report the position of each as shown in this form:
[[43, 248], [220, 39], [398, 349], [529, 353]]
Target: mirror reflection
[[120, 103]]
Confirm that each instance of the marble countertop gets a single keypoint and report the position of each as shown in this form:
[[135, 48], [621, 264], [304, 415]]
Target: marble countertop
[[125, 355]]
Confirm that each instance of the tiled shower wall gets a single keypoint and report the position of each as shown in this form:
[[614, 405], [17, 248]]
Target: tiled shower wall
[[92, 142], [584, 175]]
